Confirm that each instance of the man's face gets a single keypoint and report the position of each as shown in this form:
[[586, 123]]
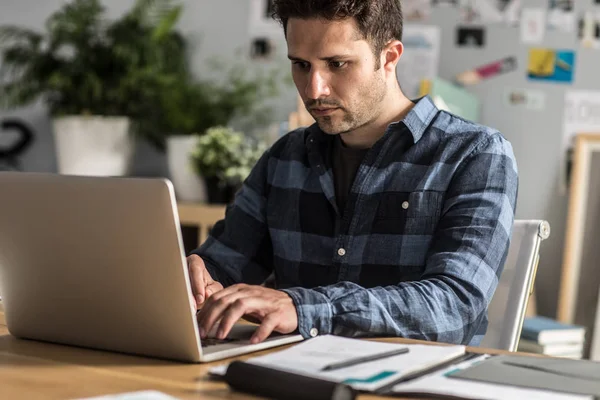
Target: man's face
[[334, 71]]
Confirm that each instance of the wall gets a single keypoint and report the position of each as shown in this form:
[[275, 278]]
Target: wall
[[536, 136], [220, 27]]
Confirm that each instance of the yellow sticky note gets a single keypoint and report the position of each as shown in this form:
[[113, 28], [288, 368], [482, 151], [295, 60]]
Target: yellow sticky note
[[541, 62], [425, 87]]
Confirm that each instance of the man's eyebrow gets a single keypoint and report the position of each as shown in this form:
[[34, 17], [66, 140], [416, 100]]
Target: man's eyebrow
[[331, 58]]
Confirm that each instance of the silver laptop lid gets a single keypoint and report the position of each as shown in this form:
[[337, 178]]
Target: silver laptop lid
[[96, 262]]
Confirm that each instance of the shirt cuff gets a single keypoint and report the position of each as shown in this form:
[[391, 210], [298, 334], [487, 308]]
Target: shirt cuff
[[314, 312]]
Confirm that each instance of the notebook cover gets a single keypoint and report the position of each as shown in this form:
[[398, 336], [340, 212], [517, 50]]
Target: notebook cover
[[569, 376]]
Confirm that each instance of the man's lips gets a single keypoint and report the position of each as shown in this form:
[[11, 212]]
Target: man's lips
[[323, 111]]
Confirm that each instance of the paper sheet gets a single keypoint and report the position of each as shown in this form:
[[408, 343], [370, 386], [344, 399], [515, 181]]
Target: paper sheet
[[438, 383], [533, 25], [561, 15], [309, 357], [530, 99], [420, 59]]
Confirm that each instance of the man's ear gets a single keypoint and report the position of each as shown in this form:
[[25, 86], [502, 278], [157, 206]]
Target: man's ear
[[391, 55]]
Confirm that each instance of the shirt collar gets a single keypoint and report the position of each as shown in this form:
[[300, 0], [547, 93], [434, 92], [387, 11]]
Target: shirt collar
[[420, 117], [417, 121]]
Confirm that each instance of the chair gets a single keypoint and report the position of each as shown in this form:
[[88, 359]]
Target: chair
[[507, 309], [204, 216]]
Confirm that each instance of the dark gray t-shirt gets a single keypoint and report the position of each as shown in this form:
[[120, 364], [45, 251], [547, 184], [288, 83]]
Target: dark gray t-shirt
[[346, 161]]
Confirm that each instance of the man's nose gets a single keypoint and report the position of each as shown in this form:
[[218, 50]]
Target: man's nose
[[317, 86]]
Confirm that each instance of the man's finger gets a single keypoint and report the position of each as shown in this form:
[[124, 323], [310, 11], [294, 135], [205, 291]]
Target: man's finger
[[236, 310], [196, 270], [207, 278], [267, 326], [216, 295], [212, 288], [214, 310]]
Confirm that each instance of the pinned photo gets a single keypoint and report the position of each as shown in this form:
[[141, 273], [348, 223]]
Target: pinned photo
[[551, 65], [487, 71], [589, 30], [491, 11], [416, 10], [470, 37], [561, 15], [525, 98], [533, 25]]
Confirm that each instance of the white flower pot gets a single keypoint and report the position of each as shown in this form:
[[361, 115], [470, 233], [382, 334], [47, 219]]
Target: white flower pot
[[189, 187], [93, 146]]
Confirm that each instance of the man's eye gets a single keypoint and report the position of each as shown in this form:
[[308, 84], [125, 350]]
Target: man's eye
[[301, 65], [338, 64]]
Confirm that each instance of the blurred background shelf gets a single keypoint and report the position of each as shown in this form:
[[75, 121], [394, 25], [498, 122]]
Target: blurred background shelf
[[196, 220]]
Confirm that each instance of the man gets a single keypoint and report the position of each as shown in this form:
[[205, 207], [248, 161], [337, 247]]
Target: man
[[385, 218]]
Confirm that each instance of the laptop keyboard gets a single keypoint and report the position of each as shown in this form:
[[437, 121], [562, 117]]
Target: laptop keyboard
[[214, 341]]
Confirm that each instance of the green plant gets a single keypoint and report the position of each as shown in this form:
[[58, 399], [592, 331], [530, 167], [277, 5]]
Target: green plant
[[226, 155], [191, 107], [84, 64]]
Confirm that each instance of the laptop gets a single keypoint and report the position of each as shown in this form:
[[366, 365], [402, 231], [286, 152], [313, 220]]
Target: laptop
[[98, 262]]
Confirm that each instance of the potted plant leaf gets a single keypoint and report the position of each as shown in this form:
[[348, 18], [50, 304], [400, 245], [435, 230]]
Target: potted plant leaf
[[99, 79], [225, 158]]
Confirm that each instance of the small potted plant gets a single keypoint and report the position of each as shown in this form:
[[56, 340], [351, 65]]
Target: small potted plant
[[225, 158]]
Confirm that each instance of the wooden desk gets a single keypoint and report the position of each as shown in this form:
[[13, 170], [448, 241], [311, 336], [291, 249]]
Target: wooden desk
[[36, 370]]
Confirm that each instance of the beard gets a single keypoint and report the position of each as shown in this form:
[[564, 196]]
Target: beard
[[362, 109]]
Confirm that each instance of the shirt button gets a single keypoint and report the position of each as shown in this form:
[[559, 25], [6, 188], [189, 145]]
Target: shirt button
[[341, 252], [405, 205], [314, 332]]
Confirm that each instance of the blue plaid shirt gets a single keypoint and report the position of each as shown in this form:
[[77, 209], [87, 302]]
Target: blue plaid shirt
[[418, 250]]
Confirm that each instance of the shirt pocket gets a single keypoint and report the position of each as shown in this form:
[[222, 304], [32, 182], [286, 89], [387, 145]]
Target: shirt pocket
[[413, 213]]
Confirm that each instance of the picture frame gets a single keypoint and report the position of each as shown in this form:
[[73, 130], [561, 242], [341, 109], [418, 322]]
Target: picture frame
[[580, 278]]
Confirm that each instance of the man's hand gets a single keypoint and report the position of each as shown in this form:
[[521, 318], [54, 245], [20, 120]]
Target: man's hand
[[274, 309], [203, 285]]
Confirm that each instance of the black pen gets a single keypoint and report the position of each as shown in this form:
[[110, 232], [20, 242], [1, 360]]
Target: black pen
[[361, 360]]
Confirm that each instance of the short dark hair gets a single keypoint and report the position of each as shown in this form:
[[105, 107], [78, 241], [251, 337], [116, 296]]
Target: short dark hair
[[379, 21]]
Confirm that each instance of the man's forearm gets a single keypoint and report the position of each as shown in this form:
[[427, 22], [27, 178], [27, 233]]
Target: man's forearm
[[435, 310]]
